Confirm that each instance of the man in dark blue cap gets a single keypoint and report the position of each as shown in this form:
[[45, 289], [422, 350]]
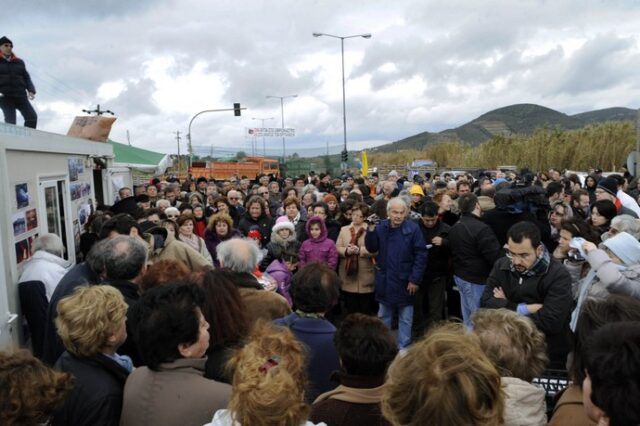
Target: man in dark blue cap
[[16, 87]]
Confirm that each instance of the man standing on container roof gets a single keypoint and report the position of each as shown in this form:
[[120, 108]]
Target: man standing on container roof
[[16, 87]]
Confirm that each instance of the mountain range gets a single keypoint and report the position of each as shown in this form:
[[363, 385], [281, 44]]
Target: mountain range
[[519, 119]]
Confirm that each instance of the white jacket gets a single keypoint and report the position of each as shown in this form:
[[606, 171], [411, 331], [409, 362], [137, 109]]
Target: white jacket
[[223, 418], [45, 267], [525, 404]]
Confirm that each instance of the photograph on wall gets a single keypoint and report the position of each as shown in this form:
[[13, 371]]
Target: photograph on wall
[[85, 189], [76, 167], [22, 251], [32, 219], [84, 211], [22, 195], [76, 190], [19, 223]]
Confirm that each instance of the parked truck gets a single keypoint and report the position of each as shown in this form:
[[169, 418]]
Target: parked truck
[[248, 166]]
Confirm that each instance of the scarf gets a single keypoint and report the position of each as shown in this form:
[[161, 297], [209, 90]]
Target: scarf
[[351, 260], [193, 241], [540, 267], [585, 285]]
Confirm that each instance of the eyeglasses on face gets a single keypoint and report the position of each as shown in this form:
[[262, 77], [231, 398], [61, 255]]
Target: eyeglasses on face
[[521, 256]]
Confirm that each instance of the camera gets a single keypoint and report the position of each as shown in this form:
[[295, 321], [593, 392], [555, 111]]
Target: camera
[[575, 256], [373, 219]]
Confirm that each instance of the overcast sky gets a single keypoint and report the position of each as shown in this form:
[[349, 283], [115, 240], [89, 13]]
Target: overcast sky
[[430, 65]]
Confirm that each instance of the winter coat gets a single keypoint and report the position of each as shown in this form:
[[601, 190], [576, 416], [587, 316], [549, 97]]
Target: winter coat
[[474, 247], [364, 281], [401, 259], [277, 246], [166, 246], [551, 288], [15, 81], [264, 223], [199, 227], [569, 409], [609, 278], [258, 302], [320, 249], [177, 394], [211, 239], [525, 403], [202, 247], [439, 257], [131, 293], [317, 336], [45, 267], [279, 272], [96, 396], [355, 402]]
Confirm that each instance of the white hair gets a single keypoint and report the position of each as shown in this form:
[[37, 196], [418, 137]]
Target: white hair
[[239, 254], [49, 243], [396, 202]]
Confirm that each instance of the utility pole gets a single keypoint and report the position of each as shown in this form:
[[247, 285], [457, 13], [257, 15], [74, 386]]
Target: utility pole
[[177, 133]]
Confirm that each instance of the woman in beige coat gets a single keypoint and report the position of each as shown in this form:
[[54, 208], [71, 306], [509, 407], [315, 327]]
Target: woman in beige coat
[[356, 265]]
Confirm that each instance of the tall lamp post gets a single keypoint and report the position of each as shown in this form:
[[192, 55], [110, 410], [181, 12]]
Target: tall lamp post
[[264, 149], [282, 98], [344, 102]]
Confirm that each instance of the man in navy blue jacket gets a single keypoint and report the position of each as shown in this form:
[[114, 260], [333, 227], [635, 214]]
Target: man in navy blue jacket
[[400, 265]]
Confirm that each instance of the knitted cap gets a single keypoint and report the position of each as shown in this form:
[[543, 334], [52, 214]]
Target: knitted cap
[[283, 222], [625, 247], [254, 234], [5, 40], [610, 185]]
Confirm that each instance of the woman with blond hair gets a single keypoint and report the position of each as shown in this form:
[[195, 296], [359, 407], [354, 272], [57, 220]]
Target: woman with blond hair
[[518, 351], [268, 381], [91, 324], [444, 379]]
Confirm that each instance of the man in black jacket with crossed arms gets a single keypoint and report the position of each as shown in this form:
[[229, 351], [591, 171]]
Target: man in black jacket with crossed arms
[[532, 283]]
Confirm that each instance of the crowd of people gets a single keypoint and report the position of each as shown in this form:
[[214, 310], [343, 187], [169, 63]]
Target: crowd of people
[[312, 300]]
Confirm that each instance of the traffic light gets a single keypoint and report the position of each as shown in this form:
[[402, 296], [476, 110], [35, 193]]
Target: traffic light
[[236, 110], [345, 156]]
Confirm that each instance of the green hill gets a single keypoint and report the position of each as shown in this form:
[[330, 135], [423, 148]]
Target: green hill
[[510, 120]]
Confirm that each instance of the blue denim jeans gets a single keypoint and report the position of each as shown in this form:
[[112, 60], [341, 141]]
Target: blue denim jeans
[[470, 294], [405, 319]]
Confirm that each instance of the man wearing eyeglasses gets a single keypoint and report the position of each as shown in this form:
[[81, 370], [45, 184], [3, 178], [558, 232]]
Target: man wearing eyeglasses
[[534, 284]]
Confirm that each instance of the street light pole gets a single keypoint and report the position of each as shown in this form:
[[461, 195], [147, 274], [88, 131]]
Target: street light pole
[[264, 149], [282, 98], [202, 112], [344, 97]]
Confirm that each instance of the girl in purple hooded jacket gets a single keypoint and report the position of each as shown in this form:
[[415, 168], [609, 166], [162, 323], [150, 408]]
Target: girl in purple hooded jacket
[[318, 247]]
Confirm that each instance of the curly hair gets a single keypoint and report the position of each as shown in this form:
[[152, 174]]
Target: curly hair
[[269, 379], [291, 200], [444, 379], [163, 272], [219, 217], [88, 317], [30, 391], [512, 342]]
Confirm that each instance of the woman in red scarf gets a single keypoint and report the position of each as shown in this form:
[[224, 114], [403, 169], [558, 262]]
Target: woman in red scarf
[[356, 265]]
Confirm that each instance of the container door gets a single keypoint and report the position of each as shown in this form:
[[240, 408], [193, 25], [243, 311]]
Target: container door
[[55, 203], [8, 323]]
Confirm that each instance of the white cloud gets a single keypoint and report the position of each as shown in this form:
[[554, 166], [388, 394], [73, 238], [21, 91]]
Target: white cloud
[[429, 65]]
